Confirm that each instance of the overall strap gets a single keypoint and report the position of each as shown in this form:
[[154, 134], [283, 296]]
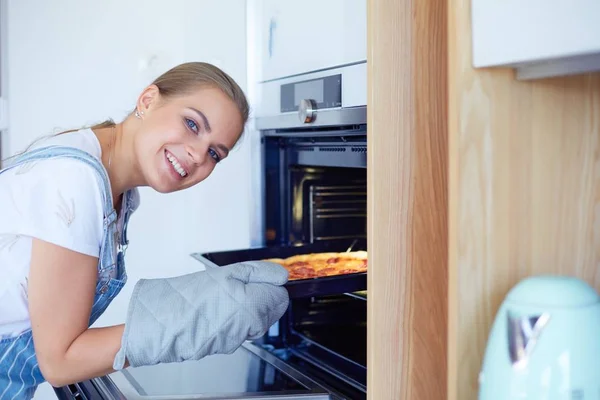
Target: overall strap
[[110, 214]]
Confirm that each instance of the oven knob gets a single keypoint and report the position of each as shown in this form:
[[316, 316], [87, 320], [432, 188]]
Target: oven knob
[[307, 110]]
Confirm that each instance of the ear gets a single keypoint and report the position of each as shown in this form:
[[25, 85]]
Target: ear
[[148, 98]]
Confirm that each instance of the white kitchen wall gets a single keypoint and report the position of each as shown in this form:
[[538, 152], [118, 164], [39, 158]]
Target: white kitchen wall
[[3, 75], [76, 62]]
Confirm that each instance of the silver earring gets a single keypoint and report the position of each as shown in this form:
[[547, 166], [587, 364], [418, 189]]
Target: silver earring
[[137, 114]]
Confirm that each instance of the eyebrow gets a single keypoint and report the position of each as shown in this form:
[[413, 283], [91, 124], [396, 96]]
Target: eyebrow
[[203, 117], [224, 149]]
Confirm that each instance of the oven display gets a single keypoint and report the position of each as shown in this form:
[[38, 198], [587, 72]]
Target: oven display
[[326, 92], [309, 90]]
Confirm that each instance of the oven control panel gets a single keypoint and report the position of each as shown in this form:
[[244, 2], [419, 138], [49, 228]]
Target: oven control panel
[[308, 95]]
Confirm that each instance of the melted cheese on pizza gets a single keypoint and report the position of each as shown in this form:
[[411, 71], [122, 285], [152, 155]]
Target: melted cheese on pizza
[[305, 266]]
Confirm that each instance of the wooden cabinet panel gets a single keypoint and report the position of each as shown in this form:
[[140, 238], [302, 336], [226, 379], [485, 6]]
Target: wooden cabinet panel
[[407, 200], [524, 190], [522, 194]]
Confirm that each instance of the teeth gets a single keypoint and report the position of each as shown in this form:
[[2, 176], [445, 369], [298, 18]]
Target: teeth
[[176, 165]]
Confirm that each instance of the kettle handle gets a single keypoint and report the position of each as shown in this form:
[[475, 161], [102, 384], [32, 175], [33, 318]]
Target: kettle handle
[[523, 333]]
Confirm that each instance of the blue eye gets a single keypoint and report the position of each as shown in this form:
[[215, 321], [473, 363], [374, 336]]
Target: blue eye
[[191, 124], [214, 155]]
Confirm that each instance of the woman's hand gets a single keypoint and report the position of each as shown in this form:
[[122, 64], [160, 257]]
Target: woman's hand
[[203, 313]]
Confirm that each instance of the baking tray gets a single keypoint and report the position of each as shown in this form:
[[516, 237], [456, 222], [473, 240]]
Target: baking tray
[[320, 286]]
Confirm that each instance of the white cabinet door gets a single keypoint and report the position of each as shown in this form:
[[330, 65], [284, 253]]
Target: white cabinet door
[[539, 37], [303, 36]]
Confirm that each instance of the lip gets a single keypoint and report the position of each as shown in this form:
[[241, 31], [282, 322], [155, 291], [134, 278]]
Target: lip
[[172, 170]]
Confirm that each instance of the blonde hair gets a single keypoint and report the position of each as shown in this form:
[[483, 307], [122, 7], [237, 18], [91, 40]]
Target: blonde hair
[[185, 78], [182, 80]]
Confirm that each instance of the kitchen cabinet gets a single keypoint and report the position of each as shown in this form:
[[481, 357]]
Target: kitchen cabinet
[[476, 180], [302, 36], [537, 37]]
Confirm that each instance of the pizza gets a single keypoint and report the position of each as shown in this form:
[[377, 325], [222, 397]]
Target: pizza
[[315, 265]]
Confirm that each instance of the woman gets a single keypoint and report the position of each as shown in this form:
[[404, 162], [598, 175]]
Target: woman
[[64, 209]]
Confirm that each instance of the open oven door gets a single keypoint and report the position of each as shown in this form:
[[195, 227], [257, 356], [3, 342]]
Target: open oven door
[[248, 373]]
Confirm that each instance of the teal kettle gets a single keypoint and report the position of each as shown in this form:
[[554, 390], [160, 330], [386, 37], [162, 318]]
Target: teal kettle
[[544, 343]]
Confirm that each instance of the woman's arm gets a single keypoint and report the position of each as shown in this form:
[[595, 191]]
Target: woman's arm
[[61, 294]]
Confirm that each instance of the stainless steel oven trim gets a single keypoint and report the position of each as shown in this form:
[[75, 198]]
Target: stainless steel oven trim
[[311, 134], [305, 73], [109, 390], [329, 117]]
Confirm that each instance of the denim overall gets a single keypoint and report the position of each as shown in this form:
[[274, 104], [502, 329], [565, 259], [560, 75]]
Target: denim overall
[[19, 371]]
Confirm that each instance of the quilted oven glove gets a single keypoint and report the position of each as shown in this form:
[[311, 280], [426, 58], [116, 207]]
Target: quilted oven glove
[[208, 312]]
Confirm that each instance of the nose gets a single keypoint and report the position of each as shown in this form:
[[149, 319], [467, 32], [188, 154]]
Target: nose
[[197, 153]]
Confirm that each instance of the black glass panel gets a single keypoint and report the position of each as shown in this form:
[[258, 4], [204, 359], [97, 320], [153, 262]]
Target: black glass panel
[[240, 372]]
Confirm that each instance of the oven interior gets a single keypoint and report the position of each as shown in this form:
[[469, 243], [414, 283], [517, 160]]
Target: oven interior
[[315, 184]]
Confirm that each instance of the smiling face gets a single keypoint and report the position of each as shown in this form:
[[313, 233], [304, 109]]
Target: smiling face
[[181, 139]]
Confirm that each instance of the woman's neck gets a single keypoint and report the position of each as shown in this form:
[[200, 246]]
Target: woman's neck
[[118, 158]]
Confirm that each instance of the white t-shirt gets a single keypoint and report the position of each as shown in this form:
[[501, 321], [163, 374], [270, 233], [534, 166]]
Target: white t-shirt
[[56, 200]]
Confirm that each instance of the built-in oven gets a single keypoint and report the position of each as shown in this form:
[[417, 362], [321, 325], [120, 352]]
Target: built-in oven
[[314, 200]]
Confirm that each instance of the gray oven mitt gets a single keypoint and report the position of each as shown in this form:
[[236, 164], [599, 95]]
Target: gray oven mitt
[[202, 313]]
